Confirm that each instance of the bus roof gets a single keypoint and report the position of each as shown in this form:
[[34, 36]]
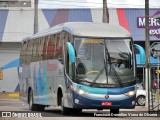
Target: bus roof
[[87, 29]]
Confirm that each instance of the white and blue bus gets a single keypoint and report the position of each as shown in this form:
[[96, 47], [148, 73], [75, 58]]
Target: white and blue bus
[[79, 65]]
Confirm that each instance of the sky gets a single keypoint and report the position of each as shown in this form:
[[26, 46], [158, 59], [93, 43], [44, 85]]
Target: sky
[[97, 3]]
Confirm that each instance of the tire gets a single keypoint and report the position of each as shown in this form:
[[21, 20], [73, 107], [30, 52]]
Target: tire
[[140, 100], [64, 110], [76, 110], [32, 106], [40, 107], [114, 111]]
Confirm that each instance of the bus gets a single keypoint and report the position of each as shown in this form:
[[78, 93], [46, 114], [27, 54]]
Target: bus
[[79, 65]]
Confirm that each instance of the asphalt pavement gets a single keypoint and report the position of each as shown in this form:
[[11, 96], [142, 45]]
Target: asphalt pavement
[[17, 109]]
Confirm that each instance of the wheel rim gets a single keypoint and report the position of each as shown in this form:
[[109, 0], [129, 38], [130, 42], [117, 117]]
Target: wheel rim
[[141, 101]]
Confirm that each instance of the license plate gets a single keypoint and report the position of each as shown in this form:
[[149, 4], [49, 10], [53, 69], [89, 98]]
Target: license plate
[[106, 103]]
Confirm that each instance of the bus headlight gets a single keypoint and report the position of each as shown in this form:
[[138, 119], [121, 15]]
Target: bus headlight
[[81, 92], [87, 93], [130, 93]]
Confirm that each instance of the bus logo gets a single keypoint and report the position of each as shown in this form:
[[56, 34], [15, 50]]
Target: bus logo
[[106, 96]]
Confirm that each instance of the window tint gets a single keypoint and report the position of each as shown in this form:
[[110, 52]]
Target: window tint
[[51, 48], [23, 52], [58, 52], [35, 50], [44, 49], [40, 49], [29, 52]]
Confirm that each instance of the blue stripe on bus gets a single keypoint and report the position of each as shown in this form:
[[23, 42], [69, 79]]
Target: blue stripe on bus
[[112, 91]]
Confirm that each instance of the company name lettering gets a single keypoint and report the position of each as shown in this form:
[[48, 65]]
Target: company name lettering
[[152, 22], [51, 67]]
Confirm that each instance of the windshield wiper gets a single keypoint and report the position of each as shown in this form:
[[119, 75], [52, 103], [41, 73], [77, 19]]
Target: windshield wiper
[[96, 78], [124, 55], [109, 60], [119, 79], [82, 80], [105, 65]]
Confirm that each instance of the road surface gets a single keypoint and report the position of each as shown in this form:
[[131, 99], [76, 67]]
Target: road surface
[[18, 108]]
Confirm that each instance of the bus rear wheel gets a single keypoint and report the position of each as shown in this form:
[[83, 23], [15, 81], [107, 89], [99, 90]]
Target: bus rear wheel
[[32, 106]]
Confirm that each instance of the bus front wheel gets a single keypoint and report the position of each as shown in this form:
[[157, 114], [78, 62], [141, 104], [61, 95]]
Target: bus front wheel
[[114, 111], [76, 110], [65, 110]]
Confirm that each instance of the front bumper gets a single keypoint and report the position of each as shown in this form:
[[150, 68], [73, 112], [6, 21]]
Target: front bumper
[[118, 102]]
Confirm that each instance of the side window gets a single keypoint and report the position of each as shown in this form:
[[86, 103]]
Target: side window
[[44, 48], [29, 52], [51, 48], [35, 50], [39, 46], [23, 52], [58, 51], [40, 49]]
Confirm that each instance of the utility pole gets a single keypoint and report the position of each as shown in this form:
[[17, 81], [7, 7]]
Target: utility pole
[[147, 48], [105, 12], [36, 16]]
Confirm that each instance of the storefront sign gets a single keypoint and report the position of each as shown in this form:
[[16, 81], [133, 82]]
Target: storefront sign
[[154, 24]]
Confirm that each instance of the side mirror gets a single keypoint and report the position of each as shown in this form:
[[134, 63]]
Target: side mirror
[[142, 54], [71, 52]]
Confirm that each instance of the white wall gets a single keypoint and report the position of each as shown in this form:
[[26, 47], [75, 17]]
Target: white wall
[[10, 76], [19, 25]]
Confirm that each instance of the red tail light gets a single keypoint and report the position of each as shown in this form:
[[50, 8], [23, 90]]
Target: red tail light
[[155, 84]]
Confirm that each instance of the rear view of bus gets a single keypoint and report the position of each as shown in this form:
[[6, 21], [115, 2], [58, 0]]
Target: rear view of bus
[[102, 68]]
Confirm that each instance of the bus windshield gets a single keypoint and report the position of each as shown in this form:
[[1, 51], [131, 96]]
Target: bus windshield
[[104, 62]]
